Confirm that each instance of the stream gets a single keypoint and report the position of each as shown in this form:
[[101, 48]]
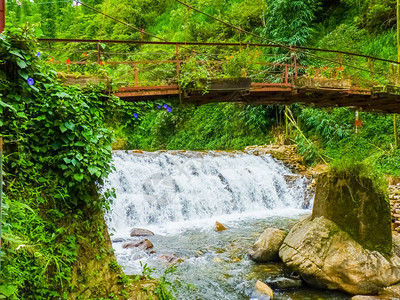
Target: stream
[[179, 195]]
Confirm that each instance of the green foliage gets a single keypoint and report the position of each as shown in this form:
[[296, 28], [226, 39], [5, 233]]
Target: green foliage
[[194, 76], [290, 22], [57, 152], [211, 126]]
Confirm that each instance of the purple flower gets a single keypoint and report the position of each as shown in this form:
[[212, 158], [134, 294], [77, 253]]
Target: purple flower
[[38, 55], [159, 106], [169, 109], [135, 115], [31, 81], [165, 106]]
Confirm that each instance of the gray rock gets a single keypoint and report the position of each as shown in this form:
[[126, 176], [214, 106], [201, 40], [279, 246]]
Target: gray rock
[[267, 246], [141, 232], [285, 283], [118, 240], [327, 257]]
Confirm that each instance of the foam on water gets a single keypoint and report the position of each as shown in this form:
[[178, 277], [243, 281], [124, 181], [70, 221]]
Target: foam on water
[[168, 192]]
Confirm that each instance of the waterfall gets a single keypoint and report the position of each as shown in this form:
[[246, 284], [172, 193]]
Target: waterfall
[[174, 187]]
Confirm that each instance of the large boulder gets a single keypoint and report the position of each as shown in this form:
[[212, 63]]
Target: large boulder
[[141, 232], [357, 207], [267, 246], [327, 257]]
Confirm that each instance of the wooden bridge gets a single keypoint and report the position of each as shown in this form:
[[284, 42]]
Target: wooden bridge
[[232, 72]]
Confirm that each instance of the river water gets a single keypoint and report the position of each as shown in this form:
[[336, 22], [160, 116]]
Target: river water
[[179, 195]]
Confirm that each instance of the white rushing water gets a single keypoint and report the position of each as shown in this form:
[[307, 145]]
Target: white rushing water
[[166, 192]]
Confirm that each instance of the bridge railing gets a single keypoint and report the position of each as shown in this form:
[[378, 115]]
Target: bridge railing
[[144, 63]]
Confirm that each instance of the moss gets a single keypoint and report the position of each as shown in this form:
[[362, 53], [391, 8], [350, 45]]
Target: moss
[[357, 206], [96, 274]]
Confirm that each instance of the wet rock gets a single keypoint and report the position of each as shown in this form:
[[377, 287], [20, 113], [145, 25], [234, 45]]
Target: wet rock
[[285, 283], [219, 227], [357, 207], [391, 292], [267, 246], [217, 260], [327, 257], [236, 259], [264, 289], [141, 232], [170, 258], [118, 240], [143, 245]]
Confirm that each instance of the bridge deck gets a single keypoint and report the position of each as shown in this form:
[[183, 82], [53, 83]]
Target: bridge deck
[[283, 94]]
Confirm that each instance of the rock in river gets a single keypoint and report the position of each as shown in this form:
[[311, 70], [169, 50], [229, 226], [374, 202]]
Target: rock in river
[[267, 246], [141, 232], [285, 283], [264, 289], [219, 227], [329, 258], [143, 244]]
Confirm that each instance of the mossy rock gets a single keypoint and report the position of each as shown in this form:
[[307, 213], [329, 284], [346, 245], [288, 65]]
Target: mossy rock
[[357, 207]]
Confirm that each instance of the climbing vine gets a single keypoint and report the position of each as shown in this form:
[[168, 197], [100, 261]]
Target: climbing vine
[[57, 153]]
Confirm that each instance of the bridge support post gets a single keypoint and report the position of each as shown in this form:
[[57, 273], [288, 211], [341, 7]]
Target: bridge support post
[[2, 15], [396, 135], [135, 70], [178, 73], [98, 53]]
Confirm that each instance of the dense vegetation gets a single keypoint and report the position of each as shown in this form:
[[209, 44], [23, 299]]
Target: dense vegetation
[[58, 139], [57, 150], [361, 26]]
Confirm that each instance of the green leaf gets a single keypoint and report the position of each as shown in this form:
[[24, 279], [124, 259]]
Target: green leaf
[[38, 32], [78, 177], [80, 144], [42, 179], [69, 125], [3, 104], [24, 74], [62, 95], [67, 160], [21, 63], [93, 170], [62, 128], [8, 290], [56, 145], [17, 53], [21, 114]]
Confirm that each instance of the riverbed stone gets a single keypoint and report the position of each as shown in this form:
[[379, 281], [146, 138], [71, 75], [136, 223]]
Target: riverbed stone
[[357, 207], [264, 289], [141, 232], [327, 257], [266, 248], [285, 283], [219, 226], [143, 245], [391, 292]]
